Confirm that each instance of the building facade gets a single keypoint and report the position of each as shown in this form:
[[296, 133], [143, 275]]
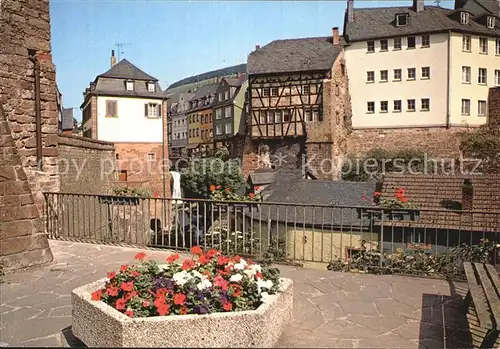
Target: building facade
[[178, 124], [127, 107]]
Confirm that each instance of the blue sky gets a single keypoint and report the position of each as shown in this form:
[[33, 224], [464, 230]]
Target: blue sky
[[172, 40]]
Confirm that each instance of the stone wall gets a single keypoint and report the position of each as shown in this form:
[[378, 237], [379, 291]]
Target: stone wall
[[494, 107], [25, 25], [85, 165], [22, 239]]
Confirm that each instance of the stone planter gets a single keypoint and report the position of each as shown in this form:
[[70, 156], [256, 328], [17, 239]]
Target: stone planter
[[97, 324]]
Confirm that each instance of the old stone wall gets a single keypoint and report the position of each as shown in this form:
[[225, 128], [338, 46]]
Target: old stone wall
[[24, 26], [22, 239], [85, 165], [494, 107]]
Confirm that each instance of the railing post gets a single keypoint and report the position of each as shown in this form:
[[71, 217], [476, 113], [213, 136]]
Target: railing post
[[382, 239]]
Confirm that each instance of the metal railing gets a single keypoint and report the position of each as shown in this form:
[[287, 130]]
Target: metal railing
[[300, 232]]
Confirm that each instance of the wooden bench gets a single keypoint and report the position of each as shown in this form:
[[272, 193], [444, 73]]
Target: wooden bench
[[484, 293]]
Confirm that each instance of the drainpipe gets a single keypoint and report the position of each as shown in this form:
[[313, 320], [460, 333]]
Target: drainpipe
[[448, 122], [38, 108]]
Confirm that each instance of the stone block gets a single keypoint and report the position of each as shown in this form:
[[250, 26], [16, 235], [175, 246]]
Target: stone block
[[19, 228], [97, 324]]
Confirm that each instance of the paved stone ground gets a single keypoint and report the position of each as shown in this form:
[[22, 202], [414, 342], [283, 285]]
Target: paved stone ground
[[330, 309]]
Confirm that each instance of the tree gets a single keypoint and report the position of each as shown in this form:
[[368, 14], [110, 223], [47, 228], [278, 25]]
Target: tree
[[218, 170], [484, 144]]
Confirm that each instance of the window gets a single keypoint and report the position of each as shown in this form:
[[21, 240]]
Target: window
[[197, 132], [397, 74], [305, 90], [426, 72], [370, 107], [316, 115], [482, 76], [384, 45], [397, 106], [111, 111], [465, 106], [270, 117], [278, 116], [190, 133], [229, 112], [426, 41], [465, 75], [265, 92], [397, 44], [497, 47], [411, 73], [152, 110], [384, 75], [308, 115], [130, 85], [218, 130], [218, 114], [151, 87], [401, 19], [370, 46], [226, 95], [229, 128], [384, 107], [425, 104], [490, 22], [262, 117], [411, 42], [481, 108], [151, 156], [286, 115], [497, 77], [410, 105], [274, 92], [466, 40], [464, 17], [370, 76], [483, 45]]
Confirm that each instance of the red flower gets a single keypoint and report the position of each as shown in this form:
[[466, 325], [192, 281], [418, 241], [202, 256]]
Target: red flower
[[163, 309], [236, 290], [258, 275], [377, 194], [183, 311], [250, 261], [146, 303], [221, 260], [96, 295], [172, 258], [203, 260], [251, 195], [404, 199], [228, 190], [211, 187], [135, 273], [207, 273], [179, 299], [156, 195], [363, 197], [120, 304], [130, 295], [256, 188], [218, 187], [140, 256], [237, 258], [188, 264], [129, 313], [212, 253], [227, 306], [111, 275], [127, 286], [220, 282], [196, 250], [159, 302], [124, 268], [113, 291]]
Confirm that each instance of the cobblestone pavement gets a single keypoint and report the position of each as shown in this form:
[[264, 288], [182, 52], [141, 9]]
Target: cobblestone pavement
[[330, 309]]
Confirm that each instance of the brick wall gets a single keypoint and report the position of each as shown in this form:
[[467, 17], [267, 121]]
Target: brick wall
[[494, 107], [25, 25], [85, 165], [22, 239]]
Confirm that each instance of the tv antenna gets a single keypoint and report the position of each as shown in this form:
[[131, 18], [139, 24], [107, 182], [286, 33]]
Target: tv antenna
[[119, 46]]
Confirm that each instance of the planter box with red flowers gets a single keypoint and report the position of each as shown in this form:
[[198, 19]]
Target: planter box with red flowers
[[398, 208], [208, 301], [217, 193]]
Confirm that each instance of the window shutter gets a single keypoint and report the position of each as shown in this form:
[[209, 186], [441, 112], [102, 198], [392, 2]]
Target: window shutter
[[146, 110], [108, 107], [159, 110], [115, 109]]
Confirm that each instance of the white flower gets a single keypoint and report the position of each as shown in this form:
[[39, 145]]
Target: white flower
[[264, 297], [241, 265], [181, 278], [203, 284], [256, 267], [264, 284], [196, 274], [236, 278], [250, 272]]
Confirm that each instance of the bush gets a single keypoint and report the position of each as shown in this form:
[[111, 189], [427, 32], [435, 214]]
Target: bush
[[211, 283], [484, 144], [129, 191]]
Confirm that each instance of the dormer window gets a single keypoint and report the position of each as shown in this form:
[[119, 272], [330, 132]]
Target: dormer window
[[490, 22], [464, 17], [151, 87], [129, 85], [402, 19]]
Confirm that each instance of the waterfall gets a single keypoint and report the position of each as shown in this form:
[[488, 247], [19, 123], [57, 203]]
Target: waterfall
[[176, 187]]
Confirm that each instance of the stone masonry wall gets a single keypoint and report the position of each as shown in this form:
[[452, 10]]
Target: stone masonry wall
[[22, 239], [25, 25], [494, 107], [85, 165]]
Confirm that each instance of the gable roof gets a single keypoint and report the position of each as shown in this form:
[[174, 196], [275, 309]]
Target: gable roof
[[203, 92], [294, 55], [126, 70], [379, 22], [492, 6]]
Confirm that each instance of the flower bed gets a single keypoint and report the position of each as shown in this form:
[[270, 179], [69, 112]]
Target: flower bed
[[208, 301]]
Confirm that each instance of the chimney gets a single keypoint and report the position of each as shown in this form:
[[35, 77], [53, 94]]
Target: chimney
[[113, 58], [467, 195], [350, 11], [257, 47], [418, 5], [335, 34]]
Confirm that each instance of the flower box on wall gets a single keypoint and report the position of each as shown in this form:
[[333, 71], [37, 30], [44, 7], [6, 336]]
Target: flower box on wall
[[389, 214], [97, 324]]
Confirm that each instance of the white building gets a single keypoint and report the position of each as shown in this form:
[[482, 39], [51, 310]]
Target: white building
[[422, 66]]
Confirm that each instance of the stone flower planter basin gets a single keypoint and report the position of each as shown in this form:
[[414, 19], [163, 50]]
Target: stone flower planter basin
[[98, 325]]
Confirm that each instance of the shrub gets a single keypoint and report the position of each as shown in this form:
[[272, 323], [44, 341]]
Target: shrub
[[211, 283], [129, 191], [484, 144]]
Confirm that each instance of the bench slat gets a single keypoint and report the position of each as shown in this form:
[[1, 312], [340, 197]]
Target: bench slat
[[490, 293], [477, 299], [494, 277]]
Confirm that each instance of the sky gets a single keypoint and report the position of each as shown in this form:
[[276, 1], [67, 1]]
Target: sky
[[171, 40]]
